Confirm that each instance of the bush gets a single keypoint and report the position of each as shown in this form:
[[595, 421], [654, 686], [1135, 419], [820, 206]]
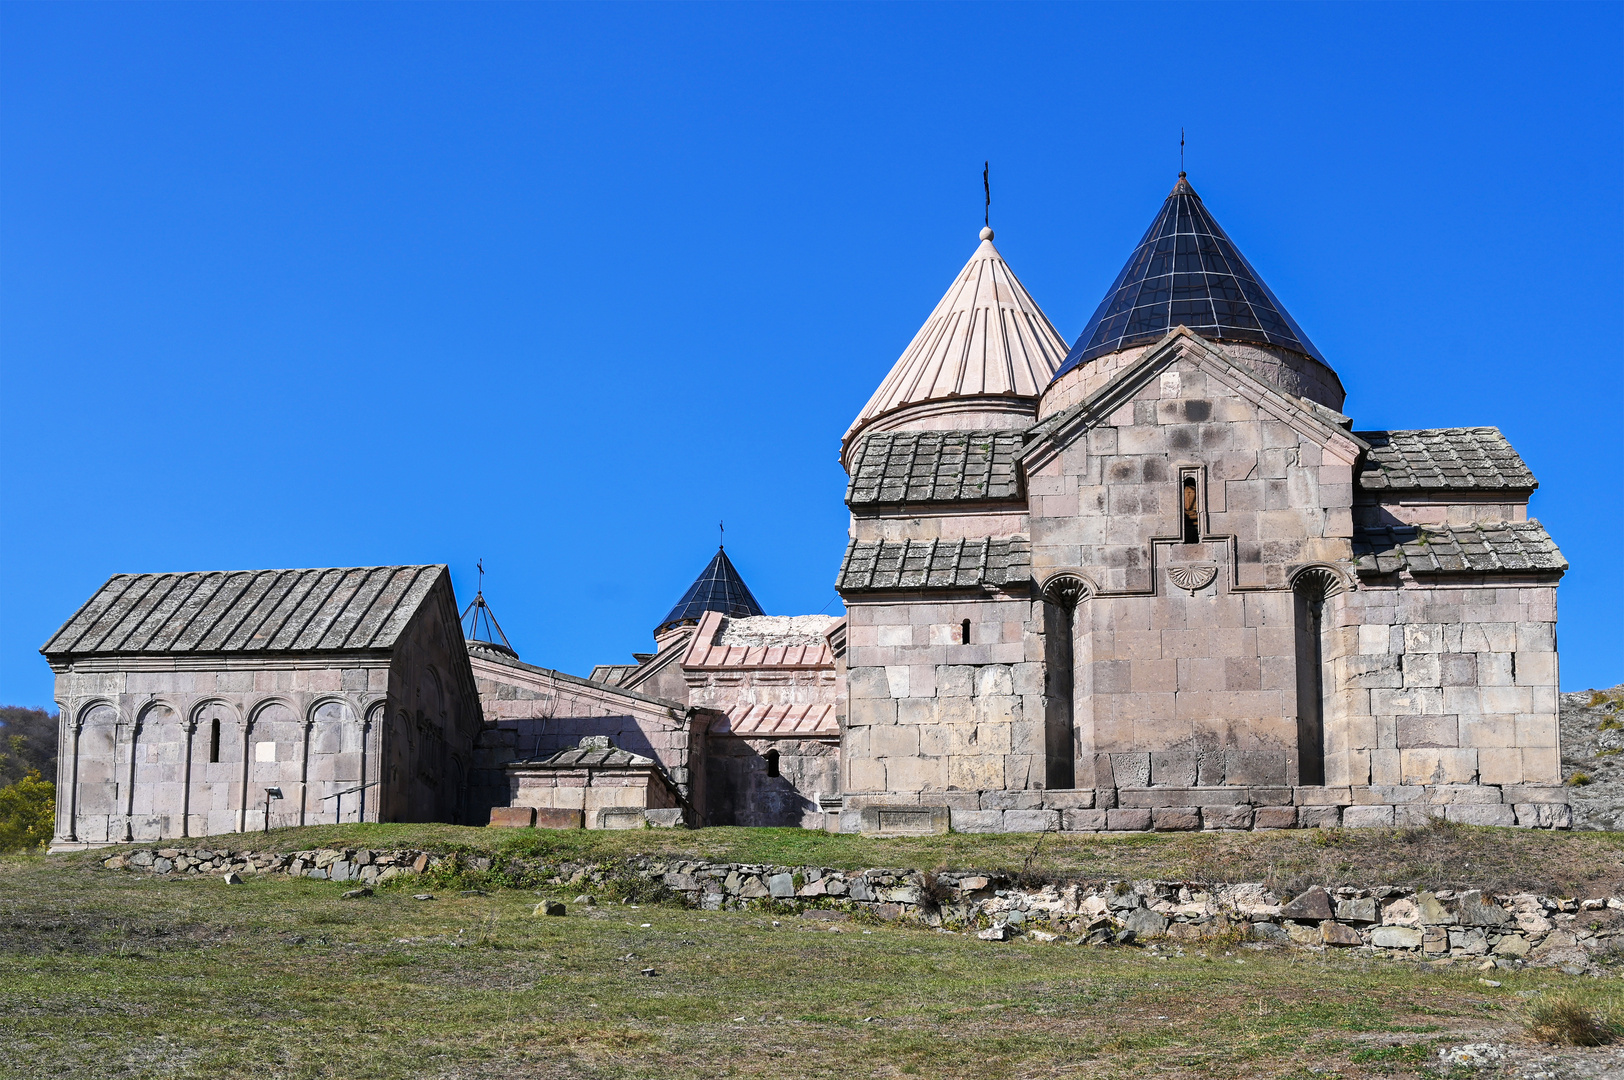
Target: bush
[[1579, 779], [27, 814], [1562, 1020]]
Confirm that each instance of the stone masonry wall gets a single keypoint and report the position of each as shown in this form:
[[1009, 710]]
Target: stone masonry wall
[[1488, 931], [929, 714], [1446, 685]]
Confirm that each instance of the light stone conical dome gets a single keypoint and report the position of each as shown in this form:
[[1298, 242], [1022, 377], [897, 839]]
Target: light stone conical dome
[[987, 338]]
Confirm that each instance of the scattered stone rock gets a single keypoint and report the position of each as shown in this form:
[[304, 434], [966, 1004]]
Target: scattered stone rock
[[550, 907], [423, 896], [1471, 1056], [1145, 923], [358, 894], [1334, 933], [232, 878], [1396, 937], [1312, 906], [650, 972], [586, 900], [998, 932]]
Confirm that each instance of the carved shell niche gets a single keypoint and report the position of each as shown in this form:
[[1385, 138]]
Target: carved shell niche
[[1192, 578]]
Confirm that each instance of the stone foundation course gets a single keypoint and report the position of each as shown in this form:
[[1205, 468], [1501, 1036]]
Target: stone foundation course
[[1482, 929]]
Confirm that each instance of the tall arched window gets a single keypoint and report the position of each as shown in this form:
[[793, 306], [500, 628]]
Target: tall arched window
[[964, 632], [772, 762], [214, 741], [1309, 594]]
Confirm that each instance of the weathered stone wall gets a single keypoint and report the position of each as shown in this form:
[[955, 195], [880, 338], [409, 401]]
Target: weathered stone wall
[[1446, 684], [740, 791], [930, 714], [1185, 654], [1295, 374], [432, 720], [162, 747], [532, 713], [1470, 926]]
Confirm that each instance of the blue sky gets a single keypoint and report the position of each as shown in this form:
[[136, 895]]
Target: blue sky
[[560, 286]]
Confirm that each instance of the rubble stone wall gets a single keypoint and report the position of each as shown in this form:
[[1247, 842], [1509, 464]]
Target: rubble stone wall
[[1489, 930]]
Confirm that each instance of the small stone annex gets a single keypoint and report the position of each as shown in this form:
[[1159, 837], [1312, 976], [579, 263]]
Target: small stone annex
[[1156, 580]]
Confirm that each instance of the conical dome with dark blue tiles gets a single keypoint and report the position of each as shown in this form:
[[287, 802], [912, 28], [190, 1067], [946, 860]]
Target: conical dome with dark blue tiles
[[719, 588], [1186, 271]]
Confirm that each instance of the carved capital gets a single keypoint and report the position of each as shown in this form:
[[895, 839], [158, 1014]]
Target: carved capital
[[1067, 590], [1319, 582]]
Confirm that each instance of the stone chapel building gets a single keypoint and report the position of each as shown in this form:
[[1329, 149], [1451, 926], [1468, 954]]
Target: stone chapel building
[[1156, 580]]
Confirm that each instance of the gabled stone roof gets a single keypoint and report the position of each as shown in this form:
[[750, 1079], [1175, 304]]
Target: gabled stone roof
[[1499, 547], [893, 467], [339, 609], [1443, 459], [935, 564], [594, 752]]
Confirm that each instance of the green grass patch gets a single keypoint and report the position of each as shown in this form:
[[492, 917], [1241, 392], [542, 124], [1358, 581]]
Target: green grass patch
[[127, 975]]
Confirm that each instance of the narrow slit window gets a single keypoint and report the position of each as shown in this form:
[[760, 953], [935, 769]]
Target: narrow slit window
[[214, 741], [772, 762], [964, 632], [1192, 512]]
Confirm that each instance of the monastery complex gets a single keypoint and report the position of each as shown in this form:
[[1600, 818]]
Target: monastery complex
[[1153, 580]]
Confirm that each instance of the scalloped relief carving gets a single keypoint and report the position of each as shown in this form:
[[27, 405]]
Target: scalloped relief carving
[[1192, 578]]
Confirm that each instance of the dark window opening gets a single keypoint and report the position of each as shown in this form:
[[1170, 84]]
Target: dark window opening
[[1192, 511], [1310, 687], [964, 632], [214, 741], [772, 763]]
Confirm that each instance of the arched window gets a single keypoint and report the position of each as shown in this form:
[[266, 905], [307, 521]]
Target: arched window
[[772, 762], [1310, 592], [1192, 511], [214, 741], [964, 632]]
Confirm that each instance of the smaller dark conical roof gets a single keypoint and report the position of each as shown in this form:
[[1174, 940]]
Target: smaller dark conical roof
[[1187, 271], [480, 628], [718, 588]]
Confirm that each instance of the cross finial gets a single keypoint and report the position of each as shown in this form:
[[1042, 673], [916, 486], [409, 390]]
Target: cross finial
[[481, 590], [1181, 151], [721, 535], [986, 189]]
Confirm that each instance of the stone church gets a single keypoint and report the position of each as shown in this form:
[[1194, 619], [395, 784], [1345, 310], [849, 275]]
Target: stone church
[[1155, 580]]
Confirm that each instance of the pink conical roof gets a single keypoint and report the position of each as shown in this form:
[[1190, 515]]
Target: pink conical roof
[[987, 337]]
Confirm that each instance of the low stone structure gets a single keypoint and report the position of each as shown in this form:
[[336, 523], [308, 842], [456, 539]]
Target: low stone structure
[[196, 704], [1466, 926], [598, 784]]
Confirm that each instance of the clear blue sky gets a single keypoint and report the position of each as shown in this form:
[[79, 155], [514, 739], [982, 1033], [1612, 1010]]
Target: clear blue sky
[[559, 286]]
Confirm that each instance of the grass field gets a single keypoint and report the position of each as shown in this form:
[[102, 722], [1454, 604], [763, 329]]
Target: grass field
[[108, 974]]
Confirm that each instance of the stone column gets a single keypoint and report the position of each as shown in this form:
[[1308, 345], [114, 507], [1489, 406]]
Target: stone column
[[129, 801], [77, 725], [186, 785], [361, 806], [247, 728], [304, 768]]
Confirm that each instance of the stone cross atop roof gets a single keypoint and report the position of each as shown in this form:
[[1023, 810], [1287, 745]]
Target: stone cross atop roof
[[986, 337], [1186, 271]]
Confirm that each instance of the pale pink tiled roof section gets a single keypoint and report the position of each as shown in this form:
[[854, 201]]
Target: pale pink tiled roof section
[[720, 642], [986, 336], [756, 721]]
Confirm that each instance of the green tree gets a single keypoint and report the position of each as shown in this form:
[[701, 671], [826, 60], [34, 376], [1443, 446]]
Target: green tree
[[27, 814]]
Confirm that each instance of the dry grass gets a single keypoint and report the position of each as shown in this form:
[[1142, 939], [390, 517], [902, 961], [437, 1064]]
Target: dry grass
[[1564, 1020], [122, 975]]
